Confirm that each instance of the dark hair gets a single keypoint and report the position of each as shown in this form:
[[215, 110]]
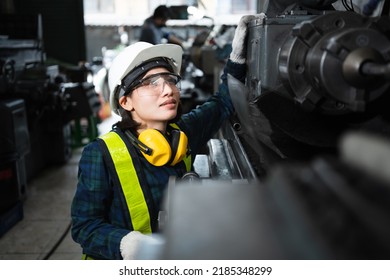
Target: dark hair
[[162, 11]]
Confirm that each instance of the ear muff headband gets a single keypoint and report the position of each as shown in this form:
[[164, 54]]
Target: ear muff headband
[[141, 146]]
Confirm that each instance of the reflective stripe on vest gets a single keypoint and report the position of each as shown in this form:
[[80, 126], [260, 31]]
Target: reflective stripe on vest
[[128, 178], [123, 163], [85, 257]]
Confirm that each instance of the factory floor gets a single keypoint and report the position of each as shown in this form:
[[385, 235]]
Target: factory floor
[[44, 231]]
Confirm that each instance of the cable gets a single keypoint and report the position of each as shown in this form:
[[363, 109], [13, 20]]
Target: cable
[[348, 7], [58, 243]]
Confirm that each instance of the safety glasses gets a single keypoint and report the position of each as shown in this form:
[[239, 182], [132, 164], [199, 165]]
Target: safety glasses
[[154, 84]]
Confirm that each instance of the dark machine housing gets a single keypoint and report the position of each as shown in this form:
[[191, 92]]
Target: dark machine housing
[[305, 151], [39, 103]]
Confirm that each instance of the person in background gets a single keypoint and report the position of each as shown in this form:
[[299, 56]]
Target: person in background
[[153, 30], [123, 174]]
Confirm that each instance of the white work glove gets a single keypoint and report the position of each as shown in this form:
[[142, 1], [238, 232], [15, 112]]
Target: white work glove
[[239, 44], [131, 242]]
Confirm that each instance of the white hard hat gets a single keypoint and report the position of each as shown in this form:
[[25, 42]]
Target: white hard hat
[[135, 55]]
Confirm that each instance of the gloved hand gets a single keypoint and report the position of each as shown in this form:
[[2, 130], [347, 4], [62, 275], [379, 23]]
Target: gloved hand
[[239, 44], [131, 242]]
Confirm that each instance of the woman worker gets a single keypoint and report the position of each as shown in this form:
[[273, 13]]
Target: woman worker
[[123, 174]]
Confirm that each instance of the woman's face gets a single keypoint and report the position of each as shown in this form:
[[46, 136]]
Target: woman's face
[[155, 101]]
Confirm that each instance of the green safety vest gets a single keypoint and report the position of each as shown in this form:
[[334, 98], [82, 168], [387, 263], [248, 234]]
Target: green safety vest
[[124, 168]]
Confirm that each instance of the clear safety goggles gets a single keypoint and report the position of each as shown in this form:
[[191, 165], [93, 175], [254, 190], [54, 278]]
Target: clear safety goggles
[[154, 84]]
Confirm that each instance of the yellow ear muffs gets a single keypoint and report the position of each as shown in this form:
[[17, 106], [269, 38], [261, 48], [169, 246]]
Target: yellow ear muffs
[[163, 152], [179, 146], [156, 141]]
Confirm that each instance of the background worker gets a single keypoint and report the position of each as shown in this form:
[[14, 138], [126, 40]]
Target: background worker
[[153, 30]]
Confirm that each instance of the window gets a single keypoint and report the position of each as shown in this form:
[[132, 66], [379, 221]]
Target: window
[[236, 7], [99, 6]]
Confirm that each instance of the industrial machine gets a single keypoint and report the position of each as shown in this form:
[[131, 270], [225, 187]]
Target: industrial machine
[[40, 103], [299, 172]]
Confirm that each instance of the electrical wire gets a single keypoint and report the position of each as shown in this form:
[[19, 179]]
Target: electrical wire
[[348, 6], [59, 241]]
